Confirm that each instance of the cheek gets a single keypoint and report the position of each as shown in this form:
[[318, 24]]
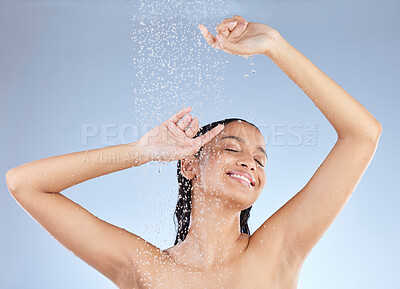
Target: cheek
[[216, 158], [210, 163], [263, 178], [223, 157], [213, 165]]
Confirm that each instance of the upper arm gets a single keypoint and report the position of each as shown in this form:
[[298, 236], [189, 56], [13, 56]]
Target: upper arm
[[103, 246], [301, 222]]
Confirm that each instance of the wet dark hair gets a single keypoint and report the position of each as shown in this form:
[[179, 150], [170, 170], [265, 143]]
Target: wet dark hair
[[184, 204]]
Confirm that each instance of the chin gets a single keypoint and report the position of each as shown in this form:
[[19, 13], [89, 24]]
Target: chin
[[239, 199]]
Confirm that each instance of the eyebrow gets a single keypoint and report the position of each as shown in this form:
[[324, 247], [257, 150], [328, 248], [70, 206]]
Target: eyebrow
[[241, 140]]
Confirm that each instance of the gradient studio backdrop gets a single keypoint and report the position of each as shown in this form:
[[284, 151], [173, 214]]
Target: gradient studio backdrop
[[79, 75]]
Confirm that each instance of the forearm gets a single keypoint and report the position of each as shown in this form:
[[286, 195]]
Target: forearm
[[57, 173], [349, 118]]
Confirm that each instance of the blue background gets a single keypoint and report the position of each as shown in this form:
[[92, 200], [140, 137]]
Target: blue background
[[124, 66]]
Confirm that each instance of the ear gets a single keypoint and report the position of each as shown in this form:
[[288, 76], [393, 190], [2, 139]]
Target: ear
[[189, 167]]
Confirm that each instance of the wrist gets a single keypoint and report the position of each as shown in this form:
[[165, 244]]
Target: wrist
[[274, 45], [138, 153]]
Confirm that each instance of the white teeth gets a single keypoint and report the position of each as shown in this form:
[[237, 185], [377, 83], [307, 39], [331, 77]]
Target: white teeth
[[242, 178]]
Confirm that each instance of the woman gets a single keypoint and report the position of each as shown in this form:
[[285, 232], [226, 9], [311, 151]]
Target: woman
[[218, 185]]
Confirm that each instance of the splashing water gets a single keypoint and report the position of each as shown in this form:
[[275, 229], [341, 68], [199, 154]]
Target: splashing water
[[172, 67], [172, 61], [253, 71]]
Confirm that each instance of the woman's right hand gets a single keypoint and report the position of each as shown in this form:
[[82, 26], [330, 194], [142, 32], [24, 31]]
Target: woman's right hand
[[172, 141]]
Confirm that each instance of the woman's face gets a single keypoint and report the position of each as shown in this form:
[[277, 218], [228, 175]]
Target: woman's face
[[237, 152]]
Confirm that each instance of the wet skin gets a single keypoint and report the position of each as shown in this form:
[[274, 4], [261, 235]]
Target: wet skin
[[215, 254]]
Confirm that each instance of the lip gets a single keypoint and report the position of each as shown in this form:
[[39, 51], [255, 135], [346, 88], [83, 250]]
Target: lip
[[243, 174]]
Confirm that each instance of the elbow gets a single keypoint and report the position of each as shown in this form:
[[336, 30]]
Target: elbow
[[369, 134], [376, 132], [380, 129], [11, 181]]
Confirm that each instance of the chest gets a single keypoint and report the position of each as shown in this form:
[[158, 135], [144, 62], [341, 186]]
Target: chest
[[246, 273]]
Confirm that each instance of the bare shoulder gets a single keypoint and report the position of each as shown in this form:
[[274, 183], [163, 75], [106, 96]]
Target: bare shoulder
[[271, 252], [145, 260]]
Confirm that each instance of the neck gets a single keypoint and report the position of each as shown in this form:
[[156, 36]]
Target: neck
[[214, 235]]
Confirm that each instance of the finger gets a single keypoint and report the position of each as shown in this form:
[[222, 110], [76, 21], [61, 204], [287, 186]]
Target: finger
[[185, 122], [224, 33], [203, 139], [193, 129], [238, 18], [225, 28], [240, 27], [226, 25], [207, 35], [173, 128], [177, 116]]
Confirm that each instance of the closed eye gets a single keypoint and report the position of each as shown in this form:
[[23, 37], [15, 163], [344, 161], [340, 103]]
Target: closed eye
[[237, 151]]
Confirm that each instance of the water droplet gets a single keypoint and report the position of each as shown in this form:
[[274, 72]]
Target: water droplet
[[249, 111], [253, 71], [246, 75], [227, 62]]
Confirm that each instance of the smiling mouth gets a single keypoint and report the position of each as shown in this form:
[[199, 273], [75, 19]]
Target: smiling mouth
[[241, 180]]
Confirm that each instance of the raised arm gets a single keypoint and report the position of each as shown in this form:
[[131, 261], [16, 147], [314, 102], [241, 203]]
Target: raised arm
[[55, 174], [113, 251], [306, 217], [349, 118], [298, 225], [36, 186]]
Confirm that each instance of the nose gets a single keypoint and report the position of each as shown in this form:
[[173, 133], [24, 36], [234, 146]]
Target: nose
[[247, 162]]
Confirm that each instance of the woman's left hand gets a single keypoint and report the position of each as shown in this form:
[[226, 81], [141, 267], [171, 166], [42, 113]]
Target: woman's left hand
[[238, 37]]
